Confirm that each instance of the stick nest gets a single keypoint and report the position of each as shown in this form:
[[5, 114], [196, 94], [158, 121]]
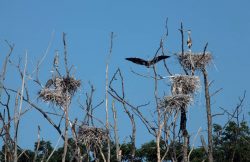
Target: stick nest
[[195, 61], [59, 90], [92, 136], [176, 101], [185, 84]]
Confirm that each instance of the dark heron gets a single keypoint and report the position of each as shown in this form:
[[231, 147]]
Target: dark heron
[[147, 63], [49, 83]]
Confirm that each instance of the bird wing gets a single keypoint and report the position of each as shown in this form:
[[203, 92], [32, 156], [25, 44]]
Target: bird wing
[[158, 58], [138, 61]]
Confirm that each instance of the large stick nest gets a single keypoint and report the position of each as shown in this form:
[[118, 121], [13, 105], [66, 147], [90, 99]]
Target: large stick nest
[[92, 136], [176, 101], [59, 90], [185, 84], [54, 96], [195, 61]]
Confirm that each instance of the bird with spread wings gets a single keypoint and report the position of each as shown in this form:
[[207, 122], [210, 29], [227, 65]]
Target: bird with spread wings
[[147, 63]]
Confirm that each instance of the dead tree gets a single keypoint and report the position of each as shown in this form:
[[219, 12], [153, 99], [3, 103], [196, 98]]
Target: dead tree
[[209, 116], [106, 93], [116, 136], [160, 126], [198, 62], [59, 90], [93, 141], [183, 88], [5, 115], [192, 62], [129, 113]]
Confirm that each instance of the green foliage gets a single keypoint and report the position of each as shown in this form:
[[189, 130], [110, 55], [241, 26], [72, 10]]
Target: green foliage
[[198, 155], [232, 143], [126, 151], [44, 150], [148, 151]]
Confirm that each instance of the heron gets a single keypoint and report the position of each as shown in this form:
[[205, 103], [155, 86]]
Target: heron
[[189, 40], [56, 59], [49, 83], [147, 63]]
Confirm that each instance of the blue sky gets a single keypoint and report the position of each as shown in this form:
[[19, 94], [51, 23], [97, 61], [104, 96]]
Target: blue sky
[[138, 26]]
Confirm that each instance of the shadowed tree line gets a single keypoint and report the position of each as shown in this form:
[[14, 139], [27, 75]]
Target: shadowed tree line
[[230, 144]]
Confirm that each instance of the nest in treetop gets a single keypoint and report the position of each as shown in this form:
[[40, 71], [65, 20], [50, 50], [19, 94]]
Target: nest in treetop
[[194, 61], [92, 136], [59, 90], [67, 84], [53, 96], [184, 84], [176, 101]]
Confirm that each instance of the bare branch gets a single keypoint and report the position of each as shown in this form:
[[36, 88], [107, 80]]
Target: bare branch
[[190, 152], [136, 110], [41, 111], [115, 132], [45, 54], [54, 148], [217, 91], [65, 54], [182, 45], [236, 110], [204, 52], [38, 143], [4, 69], [106, 90]]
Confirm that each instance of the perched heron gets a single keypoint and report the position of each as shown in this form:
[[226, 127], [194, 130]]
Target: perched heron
[[49, 83], [147, 63], [55, 68], [56, 60], [189, 40]]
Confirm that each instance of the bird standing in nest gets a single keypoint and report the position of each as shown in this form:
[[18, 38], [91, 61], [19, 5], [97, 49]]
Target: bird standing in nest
[[56, 60], [147, 63], [189, 44], [49, 83], [189, 40]]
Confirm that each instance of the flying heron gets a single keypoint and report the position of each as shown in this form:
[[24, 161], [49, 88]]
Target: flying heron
[[147, 63]]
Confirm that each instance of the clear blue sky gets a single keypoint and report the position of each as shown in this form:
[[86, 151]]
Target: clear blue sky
[[138, 26]]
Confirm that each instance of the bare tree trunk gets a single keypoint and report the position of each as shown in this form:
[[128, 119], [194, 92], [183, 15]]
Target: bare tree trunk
[[185, 148], [130, 115], [18, 112], [209, 116], [66, 129], [115, 132], [38, 144], [16, 123], [183, 128], [174, 156], [106, 95], [6, 126], [158, 138], [132, 120], [133, 137], [4, 68], [159, 131]]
